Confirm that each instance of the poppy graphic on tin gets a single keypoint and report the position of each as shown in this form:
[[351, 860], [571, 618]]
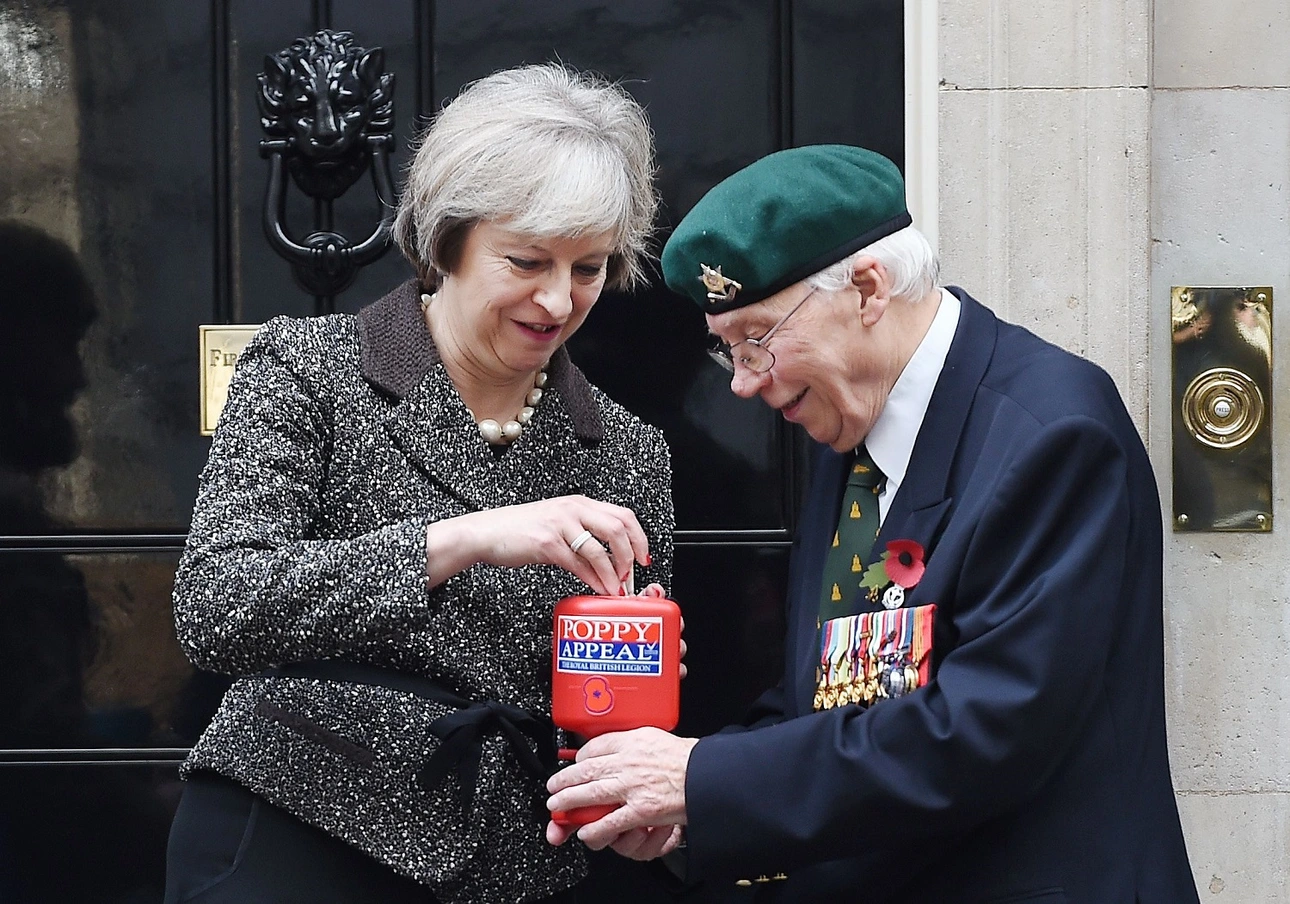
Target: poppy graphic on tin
[[597, 696]]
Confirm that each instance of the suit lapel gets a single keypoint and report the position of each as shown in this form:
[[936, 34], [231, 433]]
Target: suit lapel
[[432, 428], [429, 422], [922, 503]]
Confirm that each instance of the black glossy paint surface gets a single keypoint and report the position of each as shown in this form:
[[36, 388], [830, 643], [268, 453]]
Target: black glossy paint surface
[[85, 834], [163, 244], [88, 657]]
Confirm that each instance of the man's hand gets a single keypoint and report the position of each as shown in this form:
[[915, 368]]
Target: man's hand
[[644, 771], [646, 844]]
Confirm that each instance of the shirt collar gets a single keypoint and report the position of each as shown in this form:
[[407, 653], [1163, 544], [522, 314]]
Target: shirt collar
[[891, 441]]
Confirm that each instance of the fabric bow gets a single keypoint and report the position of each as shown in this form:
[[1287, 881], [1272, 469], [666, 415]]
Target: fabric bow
[[462, 733]]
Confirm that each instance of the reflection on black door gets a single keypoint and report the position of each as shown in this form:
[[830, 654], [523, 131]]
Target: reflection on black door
[[131, 195]]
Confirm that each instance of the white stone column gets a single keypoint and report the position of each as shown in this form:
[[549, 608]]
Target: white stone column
[[1044, 114]]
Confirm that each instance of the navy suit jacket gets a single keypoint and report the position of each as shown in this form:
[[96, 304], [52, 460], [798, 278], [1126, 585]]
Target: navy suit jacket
[[1033, 767]]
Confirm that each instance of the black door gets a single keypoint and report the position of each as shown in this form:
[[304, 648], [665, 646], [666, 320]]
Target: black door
[[130, 207]]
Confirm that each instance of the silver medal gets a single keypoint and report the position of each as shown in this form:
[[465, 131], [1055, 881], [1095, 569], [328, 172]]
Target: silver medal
[[894, 598]]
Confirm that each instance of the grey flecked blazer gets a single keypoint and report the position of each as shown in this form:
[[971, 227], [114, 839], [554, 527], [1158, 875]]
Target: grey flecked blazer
[[341, 439]]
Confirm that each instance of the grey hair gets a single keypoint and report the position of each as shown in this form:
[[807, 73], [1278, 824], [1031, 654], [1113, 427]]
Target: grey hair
[[906, 254], [545, 150]]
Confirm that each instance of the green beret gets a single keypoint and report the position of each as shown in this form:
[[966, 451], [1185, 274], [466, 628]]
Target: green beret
[[780, 220]]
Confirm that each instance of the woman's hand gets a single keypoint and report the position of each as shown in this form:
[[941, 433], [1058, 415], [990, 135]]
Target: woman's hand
[[543, 533]]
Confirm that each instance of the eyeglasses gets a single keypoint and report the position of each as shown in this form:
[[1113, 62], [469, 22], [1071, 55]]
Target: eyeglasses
[[753, 353]]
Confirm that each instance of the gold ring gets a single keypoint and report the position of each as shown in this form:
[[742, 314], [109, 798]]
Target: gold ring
[[577, 542]]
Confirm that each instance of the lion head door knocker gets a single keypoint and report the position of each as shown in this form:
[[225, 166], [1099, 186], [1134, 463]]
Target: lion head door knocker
[[327, 106]]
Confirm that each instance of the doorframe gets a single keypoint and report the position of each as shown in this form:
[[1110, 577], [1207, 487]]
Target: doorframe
[[922, 87]]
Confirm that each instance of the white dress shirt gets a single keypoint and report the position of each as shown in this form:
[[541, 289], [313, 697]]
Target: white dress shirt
[[891, 441]]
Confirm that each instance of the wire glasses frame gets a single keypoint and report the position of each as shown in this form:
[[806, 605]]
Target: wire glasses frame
[[753, 353]]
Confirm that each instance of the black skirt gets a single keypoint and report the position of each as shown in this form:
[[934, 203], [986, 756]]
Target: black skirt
[[230, 845]]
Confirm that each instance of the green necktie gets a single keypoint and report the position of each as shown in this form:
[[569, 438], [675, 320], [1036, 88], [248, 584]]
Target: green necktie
[[858, 522]]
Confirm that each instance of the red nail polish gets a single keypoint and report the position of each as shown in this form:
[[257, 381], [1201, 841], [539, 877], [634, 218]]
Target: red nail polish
[[649, 560]]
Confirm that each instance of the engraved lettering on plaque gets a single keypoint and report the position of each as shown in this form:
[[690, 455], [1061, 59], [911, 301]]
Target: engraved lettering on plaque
[[220, 347]]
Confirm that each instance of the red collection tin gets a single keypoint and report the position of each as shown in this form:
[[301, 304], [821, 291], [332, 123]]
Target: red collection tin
[[615, 665]]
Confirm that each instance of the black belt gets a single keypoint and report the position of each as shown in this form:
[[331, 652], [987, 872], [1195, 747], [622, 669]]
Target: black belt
[[460, 733]]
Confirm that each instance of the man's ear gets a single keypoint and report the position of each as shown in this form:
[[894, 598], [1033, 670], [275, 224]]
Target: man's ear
[[870, 278]]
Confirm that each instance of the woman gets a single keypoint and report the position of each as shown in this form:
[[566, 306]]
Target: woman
[[392, 504]]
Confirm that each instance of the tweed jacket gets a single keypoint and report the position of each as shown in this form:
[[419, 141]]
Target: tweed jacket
[[342, 438]]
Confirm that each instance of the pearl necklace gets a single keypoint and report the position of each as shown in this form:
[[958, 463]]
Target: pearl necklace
[[507, 433], [504, 434]]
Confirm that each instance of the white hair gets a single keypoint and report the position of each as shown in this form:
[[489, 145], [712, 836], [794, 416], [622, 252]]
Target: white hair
[[907, 257], [545, 150]]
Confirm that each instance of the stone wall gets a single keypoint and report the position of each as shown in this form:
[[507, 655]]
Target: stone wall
[[1094, 153]]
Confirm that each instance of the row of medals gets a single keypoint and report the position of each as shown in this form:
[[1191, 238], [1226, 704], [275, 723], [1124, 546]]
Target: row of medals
[[884, 678]]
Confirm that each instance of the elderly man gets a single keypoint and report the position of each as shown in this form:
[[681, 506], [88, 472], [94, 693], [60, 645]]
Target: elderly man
[[972, 707]]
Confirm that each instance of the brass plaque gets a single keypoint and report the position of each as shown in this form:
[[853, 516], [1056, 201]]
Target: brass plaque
[[220, 345], [1222, 407]]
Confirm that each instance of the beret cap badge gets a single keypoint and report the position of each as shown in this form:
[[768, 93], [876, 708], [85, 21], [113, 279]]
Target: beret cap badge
[[720, 288]]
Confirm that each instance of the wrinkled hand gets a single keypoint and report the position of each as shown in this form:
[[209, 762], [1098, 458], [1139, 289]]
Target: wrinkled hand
[[649, 843], [541, 533], [644, 771]]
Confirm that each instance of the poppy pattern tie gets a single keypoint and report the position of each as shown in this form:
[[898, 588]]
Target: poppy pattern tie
[[858, 523]]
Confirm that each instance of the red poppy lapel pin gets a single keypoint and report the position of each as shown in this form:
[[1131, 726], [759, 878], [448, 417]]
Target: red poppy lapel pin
[[898, 569]]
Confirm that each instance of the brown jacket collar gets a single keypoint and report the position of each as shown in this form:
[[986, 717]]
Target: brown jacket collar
[[398, 352]]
